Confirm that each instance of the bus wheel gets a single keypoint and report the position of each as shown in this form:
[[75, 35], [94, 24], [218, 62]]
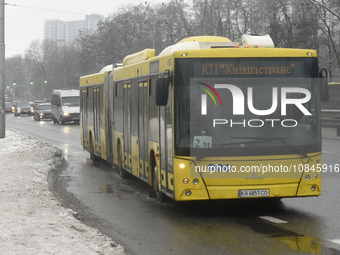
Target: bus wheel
[[93, 157], [121, 171], [158, 194]]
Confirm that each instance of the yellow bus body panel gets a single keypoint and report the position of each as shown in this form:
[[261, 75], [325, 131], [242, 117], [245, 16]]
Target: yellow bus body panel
[[225, 185], [93, 79], [245, 53], [102, 145], [135, 156], [210, 185]]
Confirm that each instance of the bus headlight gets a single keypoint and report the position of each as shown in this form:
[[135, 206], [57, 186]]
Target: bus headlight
[[195, 181], [188, 193], [65, 113], [313, 188], [185, 180], [307, 177], [315, 176]]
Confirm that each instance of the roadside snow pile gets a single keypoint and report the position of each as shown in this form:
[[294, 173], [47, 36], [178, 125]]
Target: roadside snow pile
[[31, 219]]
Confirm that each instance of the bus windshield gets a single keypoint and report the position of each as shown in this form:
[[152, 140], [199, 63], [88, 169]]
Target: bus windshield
[[246, 107]]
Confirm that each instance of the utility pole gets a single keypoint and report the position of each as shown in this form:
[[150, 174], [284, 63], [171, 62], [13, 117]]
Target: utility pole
[[2, 70]]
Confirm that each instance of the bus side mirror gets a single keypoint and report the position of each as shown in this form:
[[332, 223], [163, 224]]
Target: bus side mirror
[[162, 91], [323, 85], [324, 94]]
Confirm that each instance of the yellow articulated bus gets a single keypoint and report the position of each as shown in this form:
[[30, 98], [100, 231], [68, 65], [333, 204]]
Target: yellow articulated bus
[[210, 119]]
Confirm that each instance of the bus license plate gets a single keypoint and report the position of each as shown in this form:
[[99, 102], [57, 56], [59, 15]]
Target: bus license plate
[[254, 193]]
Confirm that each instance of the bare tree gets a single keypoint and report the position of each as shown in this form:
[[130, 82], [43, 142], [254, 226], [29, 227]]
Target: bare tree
[[329, 17], [291, 23], [16, 81]]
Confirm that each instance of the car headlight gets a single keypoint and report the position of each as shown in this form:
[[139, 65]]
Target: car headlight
[[65, 113]]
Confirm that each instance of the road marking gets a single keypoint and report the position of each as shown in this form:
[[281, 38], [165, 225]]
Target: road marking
[[335, 241], [272, 219], [331, 152]]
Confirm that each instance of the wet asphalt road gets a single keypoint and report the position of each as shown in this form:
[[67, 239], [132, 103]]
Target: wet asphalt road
[[124, 211]]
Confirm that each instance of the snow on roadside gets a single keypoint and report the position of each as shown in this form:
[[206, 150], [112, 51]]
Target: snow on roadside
[[31, 219]]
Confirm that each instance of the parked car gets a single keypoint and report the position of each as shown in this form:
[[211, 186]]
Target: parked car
[[22, 107], [8, 106], [43, 111]]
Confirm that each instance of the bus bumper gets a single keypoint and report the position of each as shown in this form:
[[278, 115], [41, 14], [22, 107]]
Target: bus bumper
[[301, 189]]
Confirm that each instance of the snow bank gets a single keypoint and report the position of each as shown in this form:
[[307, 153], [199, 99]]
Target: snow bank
[[31, 219]]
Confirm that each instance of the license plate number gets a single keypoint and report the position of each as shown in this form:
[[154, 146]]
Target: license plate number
[[254, 193]]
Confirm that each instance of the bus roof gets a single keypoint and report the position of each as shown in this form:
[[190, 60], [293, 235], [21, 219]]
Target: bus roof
[[211, 42]]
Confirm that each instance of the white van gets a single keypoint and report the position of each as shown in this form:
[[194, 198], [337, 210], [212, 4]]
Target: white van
[[65, 105]]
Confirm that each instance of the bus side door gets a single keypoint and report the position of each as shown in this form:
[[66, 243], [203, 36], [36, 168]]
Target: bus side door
[[96, 118], [143, 91], [127, 127]]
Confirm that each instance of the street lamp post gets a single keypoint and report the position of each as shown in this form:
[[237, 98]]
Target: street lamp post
[[2, 70], [152, 32]]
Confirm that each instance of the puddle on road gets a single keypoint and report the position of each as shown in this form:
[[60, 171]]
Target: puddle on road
[[118, 190], [297, 242], [300, 243], [107, 189]]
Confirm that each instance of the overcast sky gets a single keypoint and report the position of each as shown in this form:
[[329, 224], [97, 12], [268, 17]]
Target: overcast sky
[[25, 21]]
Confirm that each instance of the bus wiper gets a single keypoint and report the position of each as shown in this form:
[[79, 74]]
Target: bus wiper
[[226, 144], [281, 139]]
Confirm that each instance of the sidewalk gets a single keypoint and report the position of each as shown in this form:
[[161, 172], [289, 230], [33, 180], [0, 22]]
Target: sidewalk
[[329, 132], [32, 221]]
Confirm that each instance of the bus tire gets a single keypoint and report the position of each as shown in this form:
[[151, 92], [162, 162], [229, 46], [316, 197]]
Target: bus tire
[[93, 157], [158, 193], [122, 173]]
